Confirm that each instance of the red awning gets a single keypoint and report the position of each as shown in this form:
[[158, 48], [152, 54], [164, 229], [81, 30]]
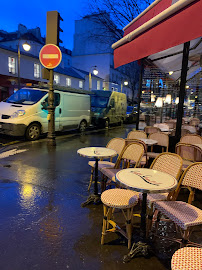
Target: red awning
[[171, 29]]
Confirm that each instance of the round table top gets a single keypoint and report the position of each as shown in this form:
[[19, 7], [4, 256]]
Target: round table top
[[149, 141], [97, 152], [146, 180]]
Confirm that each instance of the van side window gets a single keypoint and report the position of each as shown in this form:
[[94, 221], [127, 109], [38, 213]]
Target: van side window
[[56, 100]]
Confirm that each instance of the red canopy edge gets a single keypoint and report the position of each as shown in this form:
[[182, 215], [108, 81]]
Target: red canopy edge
[[179, 28], [151, 13]]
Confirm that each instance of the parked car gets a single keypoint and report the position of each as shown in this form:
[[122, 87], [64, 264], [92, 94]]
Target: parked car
[[131, 114], [25, 113]]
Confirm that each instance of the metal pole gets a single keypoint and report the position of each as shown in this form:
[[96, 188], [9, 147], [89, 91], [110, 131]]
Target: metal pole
[[18, 65], [182, 90], [51, 112], [139, 93], [90, 81]]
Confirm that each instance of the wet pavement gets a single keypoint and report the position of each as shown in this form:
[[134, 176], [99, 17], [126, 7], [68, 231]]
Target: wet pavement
[[42, 223]]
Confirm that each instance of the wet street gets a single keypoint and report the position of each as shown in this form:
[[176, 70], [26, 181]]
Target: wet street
[[42, 223]]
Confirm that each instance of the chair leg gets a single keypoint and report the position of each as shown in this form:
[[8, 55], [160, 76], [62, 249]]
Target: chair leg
[[91, 178], [129, 226], [104, 224]]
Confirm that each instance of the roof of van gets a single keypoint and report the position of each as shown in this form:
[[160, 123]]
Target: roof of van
[[60, 88], [105, 93]]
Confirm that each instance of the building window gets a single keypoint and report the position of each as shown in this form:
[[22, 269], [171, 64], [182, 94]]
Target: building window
[[36, 70], [116, 89], [98, 85], [81, 84], [12, 65], [68, 82], [56, 79]]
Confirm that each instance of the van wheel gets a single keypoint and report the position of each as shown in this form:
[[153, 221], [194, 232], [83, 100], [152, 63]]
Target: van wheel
[[33, 132], [82, 126]]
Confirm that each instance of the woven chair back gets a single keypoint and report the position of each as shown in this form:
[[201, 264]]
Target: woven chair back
[[149, 129], [116, 144], [191, 139], [189, 152], [137, 134], [162, 138], [133, 153], [169, 163]]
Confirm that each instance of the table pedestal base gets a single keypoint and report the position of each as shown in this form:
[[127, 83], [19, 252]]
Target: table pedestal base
[[138, 249], [92, 199]]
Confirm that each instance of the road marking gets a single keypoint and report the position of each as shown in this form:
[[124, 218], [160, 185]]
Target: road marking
[[11, 153]]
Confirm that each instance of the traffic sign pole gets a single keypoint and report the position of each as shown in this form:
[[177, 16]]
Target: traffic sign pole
[[50, 57], [51, 112]]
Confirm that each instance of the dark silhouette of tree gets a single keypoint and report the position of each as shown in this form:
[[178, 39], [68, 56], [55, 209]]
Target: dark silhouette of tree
[[112, 16]]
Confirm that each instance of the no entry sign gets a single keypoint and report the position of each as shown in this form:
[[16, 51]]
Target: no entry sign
[[50, 56]]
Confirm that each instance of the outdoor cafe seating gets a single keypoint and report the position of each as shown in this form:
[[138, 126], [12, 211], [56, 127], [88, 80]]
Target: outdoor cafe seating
[[187, 258], [185, 215], [116, 144], [162, 141], [189, 152]]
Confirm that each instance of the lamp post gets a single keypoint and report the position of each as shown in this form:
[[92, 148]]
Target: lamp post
[[95, 72], [26, 46], [123, 82]]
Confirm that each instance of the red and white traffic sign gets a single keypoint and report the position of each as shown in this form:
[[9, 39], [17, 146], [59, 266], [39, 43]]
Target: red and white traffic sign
[[50, 56]]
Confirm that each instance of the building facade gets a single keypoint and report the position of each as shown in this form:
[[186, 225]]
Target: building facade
[[30, 70]]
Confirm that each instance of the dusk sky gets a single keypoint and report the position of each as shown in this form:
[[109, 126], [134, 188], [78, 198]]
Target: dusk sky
[[33, 14]]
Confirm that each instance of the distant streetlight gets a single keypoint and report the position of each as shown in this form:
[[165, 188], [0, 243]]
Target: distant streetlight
[[26, 46], [95, 72], [124, 82], [159, 104]]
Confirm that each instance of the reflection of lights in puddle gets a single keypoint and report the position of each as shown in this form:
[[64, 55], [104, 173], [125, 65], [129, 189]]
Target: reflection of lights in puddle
[[28, 195]]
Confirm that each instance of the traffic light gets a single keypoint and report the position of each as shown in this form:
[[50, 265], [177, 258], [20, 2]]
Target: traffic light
[[53, 28]]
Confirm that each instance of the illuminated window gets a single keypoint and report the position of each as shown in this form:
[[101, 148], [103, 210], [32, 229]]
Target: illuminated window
[[36, 70], [98, 85], [56, 79], [12, 65], [68, 82], [81, 84]]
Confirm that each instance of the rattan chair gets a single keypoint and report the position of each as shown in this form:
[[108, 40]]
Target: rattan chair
[[187, 258], [124, 200], [144, 160], [150, 129], [189, 152], [184, 215], [137, 134], [116, 144], [163, 141], [194, 122], [191, 139], [130, 157]]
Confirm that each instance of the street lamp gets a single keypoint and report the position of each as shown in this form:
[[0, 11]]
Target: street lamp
[[26, 46], [125, 82], [159, 104], [95, 72]]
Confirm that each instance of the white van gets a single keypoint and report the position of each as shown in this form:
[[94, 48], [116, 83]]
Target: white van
[[25, 112]]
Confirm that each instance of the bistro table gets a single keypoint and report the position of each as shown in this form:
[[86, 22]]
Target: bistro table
[[149, 142], [145, 181], [96, 153]]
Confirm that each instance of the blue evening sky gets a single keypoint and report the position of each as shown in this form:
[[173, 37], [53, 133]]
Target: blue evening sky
[[33, 14]]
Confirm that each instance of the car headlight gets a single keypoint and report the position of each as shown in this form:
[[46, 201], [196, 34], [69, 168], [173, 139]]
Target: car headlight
[[18, 113]]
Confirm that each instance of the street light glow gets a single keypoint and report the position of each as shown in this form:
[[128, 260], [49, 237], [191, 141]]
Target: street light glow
[[170, 72], [95, 71], [26, 46]]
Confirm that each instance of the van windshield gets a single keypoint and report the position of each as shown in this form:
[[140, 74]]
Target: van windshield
[[26, 96], [99, 102]]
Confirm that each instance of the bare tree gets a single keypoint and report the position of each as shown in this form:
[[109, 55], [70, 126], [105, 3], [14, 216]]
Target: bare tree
[[112, 16]]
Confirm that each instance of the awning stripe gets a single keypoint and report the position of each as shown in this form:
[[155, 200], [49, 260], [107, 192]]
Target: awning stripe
[[157, 19], [181, 27], [146, 16]]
